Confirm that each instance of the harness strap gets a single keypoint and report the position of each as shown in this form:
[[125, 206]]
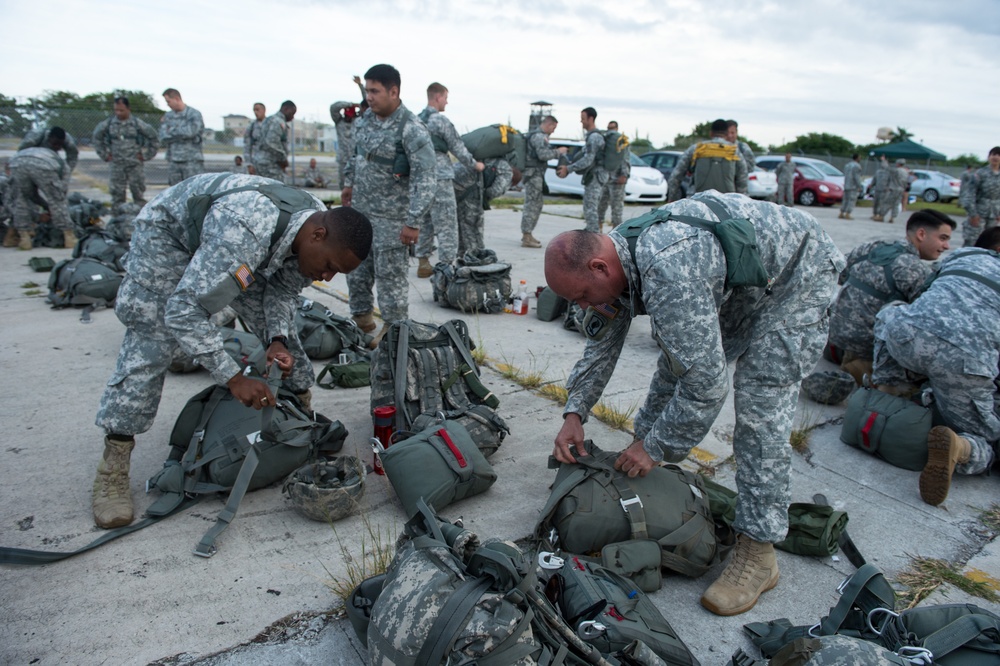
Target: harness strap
[[972, 276]]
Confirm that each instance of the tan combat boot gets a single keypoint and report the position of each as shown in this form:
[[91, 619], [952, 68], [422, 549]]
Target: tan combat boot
[[25, 242], [840, 215], [424, 269], [306, 399], [945, 449], [847, 216], [10, 238], [527, 240], [752, 570], [365, 321], [112, 498], [378, 338], [69, 239], [878, 218]]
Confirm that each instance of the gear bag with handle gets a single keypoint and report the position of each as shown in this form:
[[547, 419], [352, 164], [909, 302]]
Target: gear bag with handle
[[324, 334], [887, 426], [478, 282], [83, 281]]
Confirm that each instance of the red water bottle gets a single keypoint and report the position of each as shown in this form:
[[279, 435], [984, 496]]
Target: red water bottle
[[383, 418]]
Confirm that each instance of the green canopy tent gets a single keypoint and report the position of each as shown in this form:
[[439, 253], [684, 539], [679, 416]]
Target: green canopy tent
[[908, 150]]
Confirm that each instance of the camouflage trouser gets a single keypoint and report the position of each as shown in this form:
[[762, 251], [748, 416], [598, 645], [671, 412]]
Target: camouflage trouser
[[178, 171], [968, 401], [384, 269], [612, 194], [850, 199], [470, 220], [591, 199], [786, 193], [33, 186], [132, 395], [533, 180], [894, 203], [341, 165], [884, 202], [970, 234], [131, 173], [441, 221], [269, 169]]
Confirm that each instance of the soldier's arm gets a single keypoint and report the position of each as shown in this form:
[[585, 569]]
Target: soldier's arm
[[335, 111], [32, 139], [100, 139], [281, 299], [72, 152], [193, 127], [674, 189], [595, 144], [151, 144], [973, 199], [247, 147], [748, 156], [423, 181], [505, 176], [741, 176], [446, 130], [542, 148], [592, 372], [270, 141], [910, 274]]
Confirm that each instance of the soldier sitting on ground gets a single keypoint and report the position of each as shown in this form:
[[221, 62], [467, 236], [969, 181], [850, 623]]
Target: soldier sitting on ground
[[880, 272], [312, 176]]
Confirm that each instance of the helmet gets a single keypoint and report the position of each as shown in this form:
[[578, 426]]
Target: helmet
[[326, 490], [830, 387]]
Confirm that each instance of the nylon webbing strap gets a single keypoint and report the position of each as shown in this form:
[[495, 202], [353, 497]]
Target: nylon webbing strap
[[450, 620], [857, 592], [972, 276], [402, 354], [958, 633], [870, 290]]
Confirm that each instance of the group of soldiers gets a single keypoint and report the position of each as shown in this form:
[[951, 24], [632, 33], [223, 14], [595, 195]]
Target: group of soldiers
[[889, 188]]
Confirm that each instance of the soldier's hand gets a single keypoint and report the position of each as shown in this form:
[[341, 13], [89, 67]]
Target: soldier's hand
[[622, 180], [974, 221], [562, 150], [345, 196], [562, 171], [357, 79], [278, 354], [634, 460], [570, 436], [251, 392], [480, 166], [409, 235]]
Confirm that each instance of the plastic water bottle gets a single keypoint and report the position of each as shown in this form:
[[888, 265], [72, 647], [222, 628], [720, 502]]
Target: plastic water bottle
[[520, 306]]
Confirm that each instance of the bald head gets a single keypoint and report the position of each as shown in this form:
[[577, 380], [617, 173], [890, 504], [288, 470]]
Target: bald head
[[583, 267]]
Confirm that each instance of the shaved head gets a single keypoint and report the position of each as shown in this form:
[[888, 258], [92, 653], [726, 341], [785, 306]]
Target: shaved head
[[583, 267]]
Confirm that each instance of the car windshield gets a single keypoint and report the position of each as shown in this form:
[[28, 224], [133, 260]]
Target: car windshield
[[635, 160], [808, 172], [828, 169]]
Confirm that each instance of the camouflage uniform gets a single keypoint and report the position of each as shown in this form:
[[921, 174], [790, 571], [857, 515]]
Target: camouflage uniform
[[966, 188], [471, 198], [442, 219], [251, 141], [345, 137], [590, 162], [785, 172], [727, 174], [389, 203], [898, 179], [539, 153], [272, 147], [313, 177], [984, 201], [852, 187], [678, 278], [853, 316], [746, 152], [170, 292], [613, 194], [6, 199], [880, 190], [181, 134], [951, 336], [40, 139], [39, 176], [123, 142]]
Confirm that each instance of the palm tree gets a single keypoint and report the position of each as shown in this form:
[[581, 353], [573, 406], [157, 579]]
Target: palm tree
[[901, 134]]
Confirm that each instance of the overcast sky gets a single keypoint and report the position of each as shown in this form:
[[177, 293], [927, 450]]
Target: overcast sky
[[658, 67]]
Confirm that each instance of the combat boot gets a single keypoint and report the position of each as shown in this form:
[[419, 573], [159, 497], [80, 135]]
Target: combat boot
[[112, 498], [945, 449], [69, 239], [877, 218], [847, 216], [10, 238], [306, 400], [752, 570], [840, 215], [25, 242], [424, 270], [378, 338], [365, 321], [527, 240]]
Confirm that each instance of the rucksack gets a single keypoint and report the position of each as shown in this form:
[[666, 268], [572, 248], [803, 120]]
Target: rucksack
[[882, 255], [99, 244], [423, 369], [46, 235], [497, 141], [478, 282], [83, 281], [889, 427], [615, 150], [714, 166], [324, 334]]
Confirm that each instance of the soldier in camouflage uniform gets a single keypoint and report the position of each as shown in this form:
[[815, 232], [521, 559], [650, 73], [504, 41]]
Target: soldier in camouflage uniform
[[181, 130], [472, 194], [983, 203], [966, 186], [716, 163], [313, 177], [785, 172], [746, 152], [39, 138], [894, 191], [589, 162], [252, 137], [852, 187], [678, 278], [442, 219], [40, 177], [395, 204], [538, 155], [950, 335], [171, 290], [271, 158], [238, 166], [343, 115], [613, 194], [127, 143], [880, 187], [867, 288]]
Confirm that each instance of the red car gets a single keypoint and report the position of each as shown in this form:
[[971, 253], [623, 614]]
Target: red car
[[812, 186]]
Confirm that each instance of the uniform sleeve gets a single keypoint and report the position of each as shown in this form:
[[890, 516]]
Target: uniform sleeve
[[281, 300], [910, 273], [595, 144], [853, 257], [349, 161], [674, 189], [100, 138], [542, 148], [423, 168], [626, 167], [335, 111], [748, 156], [270, 140], [592, 372], [741, 176], [151, 143], [72, 152], [504, 177], [248, 145], [456, 146], [32, 139], [974, 194]]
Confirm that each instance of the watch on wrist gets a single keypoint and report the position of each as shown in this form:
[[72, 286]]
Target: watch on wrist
[[283, 339]]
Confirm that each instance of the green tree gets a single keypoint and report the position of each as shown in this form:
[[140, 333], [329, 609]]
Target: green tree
[[80, 115], [640, 146], [14, 119], [964, 159], [900, 134], [819, 143]]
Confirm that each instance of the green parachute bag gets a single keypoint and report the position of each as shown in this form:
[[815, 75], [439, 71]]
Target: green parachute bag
[[101, 245], [325, 334], [352, 369], [888, 427], [550, 305], [616, 150], [497, 141], [83, 281]]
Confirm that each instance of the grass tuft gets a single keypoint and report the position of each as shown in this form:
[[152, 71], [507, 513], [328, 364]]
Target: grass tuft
[[554, 392], [378, 547], [613, 416], [926, 574], [29, 285], [991, 518]]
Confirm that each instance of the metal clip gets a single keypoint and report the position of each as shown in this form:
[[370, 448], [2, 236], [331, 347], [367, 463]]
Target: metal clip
[[377, 446], [843, 584], [891, 616], [590, 629], [548, 560], [439, 415], [813, 631], [626, 502], [917, 656], [553, 536]]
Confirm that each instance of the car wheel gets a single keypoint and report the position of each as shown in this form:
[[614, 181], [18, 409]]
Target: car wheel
[[930, 196], [807, 198]]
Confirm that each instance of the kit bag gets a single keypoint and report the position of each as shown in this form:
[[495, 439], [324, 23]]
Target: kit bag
[[99, 244], [324, 334], [889, 427], [478, 282], [550, 305], [497, 141], [351, 369], [83, 281]]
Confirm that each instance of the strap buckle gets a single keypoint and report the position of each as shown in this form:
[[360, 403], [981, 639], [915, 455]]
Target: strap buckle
[[590, 629], [813, 631], [917, 656], [549, 560], [632, 500], [875, 611], [201, 550]]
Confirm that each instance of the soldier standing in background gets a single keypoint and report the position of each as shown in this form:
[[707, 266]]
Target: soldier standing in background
[[896, 189], [271, 159], [442, 218], [473, 192], [716, 164], [965, 188], [983, 203], [538, 154], [40, 176], [733, 136], [852, 187], [590, 163], [343, 115], [181, 131], [880, 185], [613, 194], [127, 143], [785, 173], [252, 137]]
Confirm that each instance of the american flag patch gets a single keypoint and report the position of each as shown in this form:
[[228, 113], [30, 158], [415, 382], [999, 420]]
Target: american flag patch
[[606, 309], [244, 276]]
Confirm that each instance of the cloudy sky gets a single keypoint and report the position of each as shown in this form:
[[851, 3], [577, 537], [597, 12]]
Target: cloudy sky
[[658, 67]]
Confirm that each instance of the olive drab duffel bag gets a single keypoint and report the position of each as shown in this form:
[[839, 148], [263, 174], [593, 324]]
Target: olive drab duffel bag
[[497, 141], [83, 281], [549, 305], [478, 282], [889, 427], [99, 244], [325, 334]]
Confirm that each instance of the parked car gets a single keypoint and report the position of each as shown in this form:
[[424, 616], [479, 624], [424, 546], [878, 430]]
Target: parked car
[[644, 183], [932, 186], [761, 184], [816, 181]]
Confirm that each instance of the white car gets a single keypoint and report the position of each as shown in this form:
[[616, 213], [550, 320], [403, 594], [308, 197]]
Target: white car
[[644, 182], [761, 184]]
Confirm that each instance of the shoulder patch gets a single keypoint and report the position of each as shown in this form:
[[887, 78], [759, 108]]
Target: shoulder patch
[[243, 276]]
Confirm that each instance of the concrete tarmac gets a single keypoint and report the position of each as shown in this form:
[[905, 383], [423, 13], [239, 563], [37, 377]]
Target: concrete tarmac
[[266, 597]]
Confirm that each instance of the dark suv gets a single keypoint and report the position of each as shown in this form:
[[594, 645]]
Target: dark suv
[[664, 161]]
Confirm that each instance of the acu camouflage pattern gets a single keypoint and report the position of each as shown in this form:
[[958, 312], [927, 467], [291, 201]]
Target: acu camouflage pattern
[[124, 142], [389, 203], [313, 177], [950, 335], [345, 137], [590, 163], [852, 187], [472, 197], [785, 171], [272, 147], [326, 490], [746, 152], [613, 194], [679, 278], [965, 191], [39, 138], [181, 134], [830, 387], [251, 140], [170, 292], [477, 283], [731, 178], [898, 180], [983, 201], [852, 318], [533, 177], [880, 183], [39, 177], [836, 650]]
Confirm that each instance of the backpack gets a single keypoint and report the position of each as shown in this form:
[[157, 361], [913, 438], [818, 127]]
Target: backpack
[[219, 444], [423, 369], [83, 281], [46, 235], [550, 305], [352, 369], [714, 166], [324, 334], [497, 141], [615, 150], [958, 272], [399, 164], [882, 255], [478, 282], [99, 244], [738, 237], [889, 427], [440, 145]]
